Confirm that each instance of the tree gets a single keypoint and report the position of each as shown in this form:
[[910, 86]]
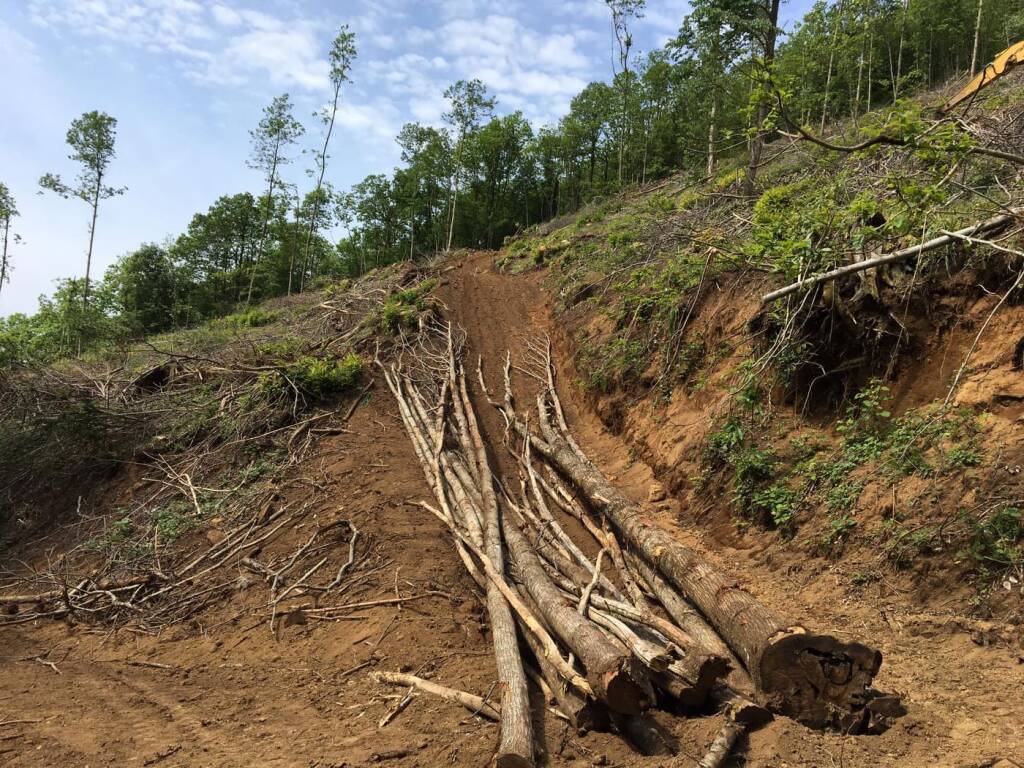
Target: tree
[[623, 11], [143, 288], [277, 131], [469, 105], [343, 53], [715, 32], [766, 26], [8, 210], [91, 138]]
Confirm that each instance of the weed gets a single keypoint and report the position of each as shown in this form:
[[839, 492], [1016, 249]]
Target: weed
[[777, 502], [403, 307], [173, 521], [250, 318], [905, 544], [994, 543], [320, 377], [837, 530]]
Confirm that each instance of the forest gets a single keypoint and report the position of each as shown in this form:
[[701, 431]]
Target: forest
[[723, 87]]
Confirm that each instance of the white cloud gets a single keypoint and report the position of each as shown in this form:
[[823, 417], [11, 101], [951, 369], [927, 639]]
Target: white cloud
[[220, 44]]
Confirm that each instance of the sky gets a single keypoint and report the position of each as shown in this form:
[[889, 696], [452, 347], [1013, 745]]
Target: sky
[[187, 80]]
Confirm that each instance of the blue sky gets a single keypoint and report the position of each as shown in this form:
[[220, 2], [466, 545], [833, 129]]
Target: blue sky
[[187, 80]]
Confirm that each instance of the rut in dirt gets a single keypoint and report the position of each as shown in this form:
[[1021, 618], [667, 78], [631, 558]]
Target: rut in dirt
[[660, 625]]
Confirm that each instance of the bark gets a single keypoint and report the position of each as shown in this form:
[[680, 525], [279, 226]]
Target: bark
[[723, 744], [757, 143], [816, 679], [615, 676], [692, 623], [474, 704], [977, 34], [516, 747], [584, 713]]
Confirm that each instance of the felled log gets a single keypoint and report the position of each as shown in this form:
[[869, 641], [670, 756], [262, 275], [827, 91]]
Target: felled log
[[813, 678], [516, 747], [614, 675], [584, 712]]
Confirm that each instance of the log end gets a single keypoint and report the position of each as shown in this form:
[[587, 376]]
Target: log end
[[624, 688], [512, 760], [818, 680], [707, 672], [690, 682]]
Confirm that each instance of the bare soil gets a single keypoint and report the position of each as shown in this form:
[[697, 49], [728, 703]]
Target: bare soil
[[230, 689]]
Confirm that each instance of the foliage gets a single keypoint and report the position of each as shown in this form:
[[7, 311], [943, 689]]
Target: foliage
[[253, 317], [322, 377], [994, 542], [403, 307]]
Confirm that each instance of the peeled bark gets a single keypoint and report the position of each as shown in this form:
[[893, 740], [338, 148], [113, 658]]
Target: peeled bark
[[615, 676], [815, 679]]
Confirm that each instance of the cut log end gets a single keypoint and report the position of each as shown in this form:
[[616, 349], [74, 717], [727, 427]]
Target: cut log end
[[624, 688], [818, 680], [509, 760], [703, 674]]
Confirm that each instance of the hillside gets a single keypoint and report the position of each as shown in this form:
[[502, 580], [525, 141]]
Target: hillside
[[211, 538]]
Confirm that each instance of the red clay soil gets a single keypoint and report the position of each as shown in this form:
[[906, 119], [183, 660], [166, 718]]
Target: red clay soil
[[227, 691]]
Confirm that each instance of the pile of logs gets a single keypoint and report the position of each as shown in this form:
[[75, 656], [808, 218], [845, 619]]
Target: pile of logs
[[645, 622]]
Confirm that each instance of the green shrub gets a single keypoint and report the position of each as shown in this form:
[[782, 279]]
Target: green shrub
[[320, 377], [839, 527], [994, 543], [777, 503], [251, 318], [403, 307]]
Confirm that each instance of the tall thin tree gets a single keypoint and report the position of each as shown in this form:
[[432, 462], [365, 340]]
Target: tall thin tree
[[977, 36], [8, 210], [470, 104], [343, 53], [769, 29], [623, 12], [91, 138], [275, 133]]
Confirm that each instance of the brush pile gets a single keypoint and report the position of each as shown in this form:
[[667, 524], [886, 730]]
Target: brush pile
[[645, 622]]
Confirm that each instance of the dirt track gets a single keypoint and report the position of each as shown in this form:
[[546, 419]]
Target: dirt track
[[227, 692]]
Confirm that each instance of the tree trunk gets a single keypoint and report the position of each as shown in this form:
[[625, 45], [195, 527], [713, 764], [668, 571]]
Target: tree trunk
[[899, 53], [92, 237], [713, 131], [616, 677], [263, 228], [316, 200], [977, 34], [815, 679], [3, 259], [831, 61], [757, 143], [516, 747]]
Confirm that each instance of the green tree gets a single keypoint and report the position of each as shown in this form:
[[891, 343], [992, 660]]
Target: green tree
[[91, 138], [277, 131], [343, 53], [764, 26], [469, 105], [143, 287], [623, 13], [8, 210]]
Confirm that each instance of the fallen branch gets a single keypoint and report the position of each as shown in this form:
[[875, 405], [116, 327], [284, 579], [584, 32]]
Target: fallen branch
[[985, 227], [473, 703]]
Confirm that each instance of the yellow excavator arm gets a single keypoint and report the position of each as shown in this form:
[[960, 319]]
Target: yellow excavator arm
[[999, 66]]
